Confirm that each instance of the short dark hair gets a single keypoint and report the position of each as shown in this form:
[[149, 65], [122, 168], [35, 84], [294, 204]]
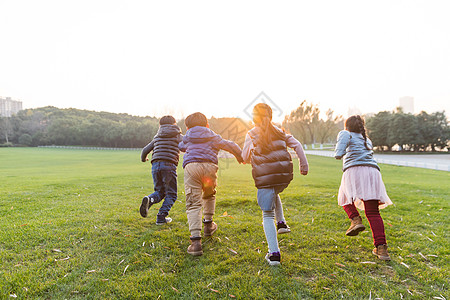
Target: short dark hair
[[167, 120], [196, 119]]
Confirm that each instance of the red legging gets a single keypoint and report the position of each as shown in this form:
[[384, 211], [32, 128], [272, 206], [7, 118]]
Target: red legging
[[375, 220]]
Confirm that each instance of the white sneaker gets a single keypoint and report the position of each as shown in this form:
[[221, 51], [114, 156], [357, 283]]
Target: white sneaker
[[282, 227], [273, 258]]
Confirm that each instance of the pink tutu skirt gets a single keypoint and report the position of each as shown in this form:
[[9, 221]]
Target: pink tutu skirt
[[360, 183]]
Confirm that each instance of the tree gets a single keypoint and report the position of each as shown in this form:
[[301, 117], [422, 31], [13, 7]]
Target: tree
[[330, 127], [378, 129], [51, 125], [430, 129], [25, 139], [305, 124], [404, 131], [5, 128], [440, 120]]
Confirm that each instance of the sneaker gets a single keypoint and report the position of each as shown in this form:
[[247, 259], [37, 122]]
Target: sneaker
[[195, 248], [273, 258], [355, 227], [210, 227], [282, 227], [161, 219], [381, 252], [145, 205]]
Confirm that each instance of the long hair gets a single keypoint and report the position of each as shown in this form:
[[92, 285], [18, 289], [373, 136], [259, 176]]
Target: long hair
[[356, 124], [262, 117]]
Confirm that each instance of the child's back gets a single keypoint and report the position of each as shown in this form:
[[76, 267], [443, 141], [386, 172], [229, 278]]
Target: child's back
[[164, 144], [265, 147], [164, 168], [272, 166], [201, 144], [200, 164]]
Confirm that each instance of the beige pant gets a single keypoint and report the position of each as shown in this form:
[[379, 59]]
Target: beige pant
[[200, 180]]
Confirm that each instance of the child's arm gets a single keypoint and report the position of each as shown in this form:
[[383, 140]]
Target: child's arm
[[182, 146], [248, 147], [231, 147], [180, 138], [342, 143], [146, 150], [293, 143]]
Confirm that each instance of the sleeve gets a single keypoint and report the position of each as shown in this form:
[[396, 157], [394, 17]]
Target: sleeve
[[293, 143], [248, 148], [146, 150], [180, 138], [343, 139], [231, 147], [182, 146]]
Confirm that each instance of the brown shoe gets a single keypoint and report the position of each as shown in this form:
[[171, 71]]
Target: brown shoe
[[355, 227], [210, 228], [195, 248], [381, 252]]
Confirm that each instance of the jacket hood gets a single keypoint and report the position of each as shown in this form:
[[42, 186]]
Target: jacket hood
[[199, 134], [168, 130]]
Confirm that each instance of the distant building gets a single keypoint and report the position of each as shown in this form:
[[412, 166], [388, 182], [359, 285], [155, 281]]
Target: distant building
[[9, 107], [407, 104]]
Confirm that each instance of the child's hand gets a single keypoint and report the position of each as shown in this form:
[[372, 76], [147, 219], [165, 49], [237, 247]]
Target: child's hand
[[304, 172]]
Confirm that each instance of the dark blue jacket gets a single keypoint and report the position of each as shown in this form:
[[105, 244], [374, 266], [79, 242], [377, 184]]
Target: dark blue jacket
[[201, 144], [164, 144]]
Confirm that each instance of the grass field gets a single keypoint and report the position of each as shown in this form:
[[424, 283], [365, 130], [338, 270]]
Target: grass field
[[70, 228]]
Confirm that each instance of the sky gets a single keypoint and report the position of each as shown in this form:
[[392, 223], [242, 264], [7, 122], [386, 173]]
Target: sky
[[178, 57]]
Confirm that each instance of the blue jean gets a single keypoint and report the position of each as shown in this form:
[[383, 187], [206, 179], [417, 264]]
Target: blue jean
[[164, 175], [270, 203]]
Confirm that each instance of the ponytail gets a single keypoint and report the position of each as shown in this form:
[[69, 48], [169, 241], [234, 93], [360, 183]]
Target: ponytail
[[262, 116], [363, 131]]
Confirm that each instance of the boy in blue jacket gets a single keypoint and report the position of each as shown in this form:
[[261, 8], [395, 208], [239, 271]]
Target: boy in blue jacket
[[200, 164]]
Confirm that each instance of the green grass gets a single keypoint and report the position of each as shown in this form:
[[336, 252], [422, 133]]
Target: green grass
[[70, 226]]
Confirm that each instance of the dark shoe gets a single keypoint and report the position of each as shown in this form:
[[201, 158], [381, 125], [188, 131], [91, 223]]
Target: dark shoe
[[195, 248], [209, 227], [282, 227], [145, 205], [273, 258], [162, 219], [355, 227], [381, 252]]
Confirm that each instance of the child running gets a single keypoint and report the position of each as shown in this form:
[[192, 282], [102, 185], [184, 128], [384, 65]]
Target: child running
[[265, 147], [200, 164], [361, 184], [164, 168]]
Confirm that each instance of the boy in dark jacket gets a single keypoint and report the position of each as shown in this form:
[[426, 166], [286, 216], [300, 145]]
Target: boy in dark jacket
[[164, 168], [200, 164]]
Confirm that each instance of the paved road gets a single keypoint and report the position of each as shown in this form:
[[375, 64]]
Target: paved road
[[429, 161]]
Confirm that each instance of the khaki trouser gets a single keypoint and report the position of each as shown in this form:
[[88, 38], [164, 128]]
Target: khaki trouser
[[200, 180]]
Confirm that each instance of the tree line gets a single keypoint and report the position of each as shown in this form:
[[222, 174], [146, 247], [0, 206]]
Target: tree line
[[420, 132], [74, 127], [55, 126]]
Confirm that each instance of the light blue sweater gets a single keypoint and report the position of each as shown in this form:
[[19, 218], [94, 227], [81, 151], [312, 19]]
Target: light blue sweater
[[350, 145]]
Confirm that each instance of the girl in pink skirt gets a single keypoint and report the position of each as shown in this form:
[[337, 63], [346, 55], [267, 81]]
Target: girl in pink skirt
[[361, 185]]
